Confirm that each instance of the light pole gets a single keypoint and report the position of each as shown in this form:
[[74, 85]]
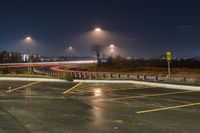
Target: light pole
[[112, 49], [70, 51], [29, 41], [98, 47], [98, 32]]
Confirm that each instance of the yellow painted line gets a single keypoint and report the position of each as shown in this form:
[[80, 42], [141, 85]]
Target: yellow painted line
[[167, 108], [23, 86], [144, 96], [72, 88]]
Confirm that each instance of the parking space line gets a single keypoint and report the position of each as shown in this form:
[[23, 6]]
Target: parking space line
[[23, 86], [144, 96], [68, 90], [167, 108]]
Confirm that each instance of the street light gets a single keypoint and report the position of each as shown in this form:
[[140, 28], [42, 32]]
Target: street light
[[112, 49], [70, 51], [112, 45], [98, 29], [28, 39], [70, 48], [97, 48]]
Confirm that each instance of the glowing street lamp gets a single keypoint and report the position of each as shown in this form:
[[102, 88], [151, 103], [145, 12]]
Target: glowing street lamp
[[98, 35], [112, 46], [70, 48], [98, 29], [70, 51], [112, 49], [28, 39]]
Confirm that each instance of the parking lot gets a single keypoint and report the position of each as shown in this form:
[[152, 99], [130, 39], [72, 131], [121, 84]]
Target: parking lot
[[39, 107]]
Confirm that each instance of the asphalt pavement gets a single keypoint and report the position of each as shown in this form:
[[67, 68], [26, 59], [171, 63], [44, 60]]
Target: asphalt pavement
[[41, 107]]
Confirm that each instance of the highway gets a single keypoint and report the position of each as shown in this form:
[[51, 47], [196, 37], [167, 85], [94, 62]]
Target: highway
[[18, 65]]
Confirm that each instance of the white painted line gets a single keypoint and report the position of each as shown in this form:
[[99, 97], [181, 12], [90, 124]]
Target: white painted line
[[162, 85], [31, 79], [51, 63]]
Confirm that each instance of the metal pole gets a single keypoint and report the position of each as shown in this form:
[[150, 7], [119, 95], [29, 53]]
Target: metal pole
[[30, 60], [169, 71]]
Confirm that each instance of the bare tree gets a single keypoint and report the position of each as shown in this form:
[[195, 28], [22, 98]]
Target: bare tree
[[97, 49]]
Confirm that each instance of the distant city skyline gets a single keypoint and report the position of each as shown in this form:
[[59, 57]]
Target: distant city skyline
[[138, 28]]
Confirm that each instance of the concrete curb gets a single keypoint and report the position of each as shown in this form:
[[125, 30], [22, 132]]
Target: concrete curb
[[163, 85], [30, 79]]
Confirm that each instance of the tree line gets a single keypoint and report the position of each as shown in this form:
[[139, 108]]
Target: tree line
[[10, 57], [119, 61], [15, 57]]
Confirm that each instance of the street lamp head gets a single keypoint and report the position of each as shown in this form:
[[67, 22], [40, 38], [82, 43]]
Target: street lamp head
[[97, 29], [112, 45], [28, 38], [70, 48]]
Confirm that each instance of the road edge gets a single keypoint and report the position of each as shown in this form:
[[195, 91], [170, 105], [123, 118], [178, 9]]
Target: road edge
[[31, 79], [163, 85]]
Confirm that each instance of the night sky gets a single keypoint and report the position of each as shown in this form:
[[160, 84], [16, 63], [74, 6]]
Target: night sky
[[138, 27]]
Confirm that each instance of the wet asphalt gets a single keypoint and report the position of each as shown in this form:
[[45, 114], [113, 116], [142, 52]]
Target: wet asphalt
[[99, 108]]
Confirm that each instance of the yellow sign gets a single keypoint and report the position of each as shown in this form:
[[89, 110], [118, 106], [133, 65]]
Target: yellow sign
[[169, 56]]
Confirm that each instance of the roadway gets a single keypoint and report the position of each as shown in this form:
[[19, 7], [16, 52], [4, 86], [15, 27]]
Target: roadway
[[93, 107], [18, 65]]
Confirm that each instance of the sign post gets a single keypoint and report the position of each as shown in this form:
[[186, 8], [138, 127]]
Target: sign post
[[169, 58]]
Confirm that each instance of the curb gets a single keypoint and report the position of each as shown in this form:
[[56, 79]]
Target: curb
[[163, 85], [31, 79]]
